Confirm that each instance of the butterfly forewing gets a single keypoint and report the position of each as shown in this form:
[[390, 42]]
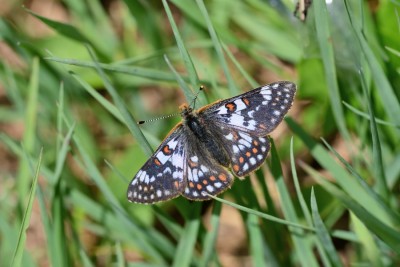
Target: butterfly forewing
[[163, 176], [258, 111]]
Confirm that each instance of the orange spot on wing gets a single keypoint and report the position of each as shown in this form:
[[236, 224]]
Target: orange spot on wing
[[235, 167], [255, 142], [191, 184], [212, 178], [241, 159], [222, 177], [199, 186], [255, 150], [192, 164], [262, 126], [205, 182], [167, 150], [235, 135], [246, 101], [176, 183], [231, 106], [157, 162], [248, 154]]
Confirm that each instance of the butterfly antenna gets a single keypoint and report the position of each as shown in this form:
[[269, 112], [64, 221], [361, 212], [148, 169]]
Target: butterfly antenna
[[193, 104], [159, 118]]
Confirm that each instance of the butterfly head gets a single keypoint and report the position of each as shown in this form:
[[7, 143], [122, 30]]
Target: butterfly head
[[185, 110]]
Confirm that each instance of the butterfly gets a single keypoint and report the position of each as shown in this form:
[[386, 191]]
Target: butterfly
[[199, 155]]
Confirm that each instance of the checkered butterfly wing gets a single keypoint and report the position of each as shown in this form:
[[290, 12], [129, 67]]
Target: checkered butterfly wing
[[204, 175], [245, 120], [162, 176]]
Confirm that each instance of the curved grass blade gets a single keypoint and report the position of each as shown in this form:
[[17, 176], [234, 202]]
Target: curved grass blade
[[323, 233], [19, 250]]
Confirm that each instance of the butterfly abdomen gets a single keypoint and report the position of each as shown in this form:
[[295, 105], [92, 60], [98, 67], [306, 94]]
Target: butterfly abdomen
[[208, 140]]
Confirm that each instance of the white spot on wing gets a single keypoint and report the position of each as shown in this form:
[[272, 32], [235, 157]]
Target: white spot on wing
[[159, 193], [223, 110], [244, 142], [245, 167], [238, 120], [229, 136], [246, 137], [266, 90], [239, 104], [204, 168], [194, 159], [252, 161], [210, 188], [162, 157], [217, 184]]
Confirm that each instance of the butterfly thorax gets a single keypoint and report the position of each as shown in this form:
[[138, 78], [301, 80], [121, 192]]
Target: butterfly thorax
[[200, 129]]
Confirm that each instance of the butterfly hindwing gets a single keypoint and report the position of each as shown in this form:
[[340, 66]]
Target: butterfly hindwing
[[204, 175], [162, 177], [258, 111], [247, 151]]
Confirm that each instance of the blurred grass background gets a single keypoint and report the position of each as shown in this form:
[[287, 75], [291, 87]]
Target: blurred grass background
[[76, 75]]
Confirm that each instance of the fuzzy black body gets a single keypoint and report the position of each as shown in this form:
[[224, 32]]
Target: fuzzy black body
[[208, 141]]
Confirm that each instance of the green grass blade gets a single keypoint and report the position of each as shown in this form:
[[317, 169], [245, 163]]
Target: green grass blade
[[62, 28], [345, 180], [187, 60], [326, 49], [186, 90], [152, 74], [377, 161], [30, 121], [218, 48], [365, 115], [371, 220], [186, 246], [131, 124], [296, 183], [362, 182], [262, 215], [367, 240], [209, 249], [19, 250], [303, 205], [242, 71], [323, 233], [302, 244], [257, 243], [101, 99], [386, 92]]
